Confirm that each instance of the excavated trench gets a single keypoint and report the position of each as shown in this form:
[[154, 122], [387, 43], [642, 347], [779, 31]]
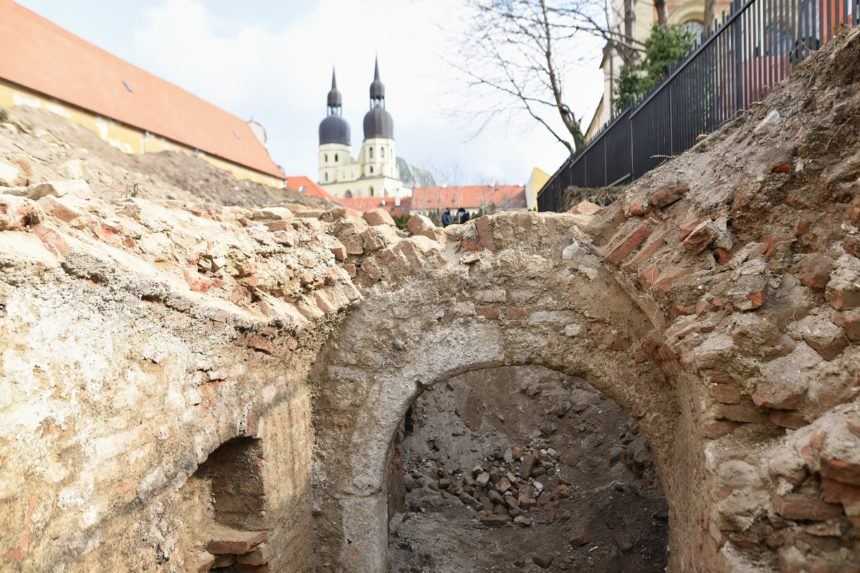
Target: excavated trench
[[522, 469]]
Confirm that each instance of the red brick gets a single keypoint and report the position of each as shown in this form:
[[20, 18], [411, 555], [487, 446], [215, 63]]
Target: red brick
[[490, 312], [791, 420], [516, 313], [52, 240], [485, 233], [635, 208], [227, 541], [648, 276], [686, 228], [656, 243], [713, 429], [262, 344], [837, 492], [197, 282], [629, 244], [723, 256], [700, 237], [668, 277], [802, 507]]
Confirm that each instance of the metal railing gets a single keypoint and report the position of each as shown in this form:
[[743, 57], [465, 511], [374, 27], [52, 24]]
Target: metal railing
[[751, 50]]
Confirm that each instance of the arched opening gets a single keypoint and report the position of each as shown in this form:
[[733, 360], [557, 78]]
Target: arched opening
[[225, 509], [348, 194], [336, 158], [372, 193], [370, 152], [325, 158], [521, 467], [509, 310]]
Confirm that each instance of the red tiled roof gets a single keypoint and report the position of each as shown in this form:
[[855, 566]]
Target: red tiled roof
[[469, 197], [39, 55], [304, 185], [363, 204]]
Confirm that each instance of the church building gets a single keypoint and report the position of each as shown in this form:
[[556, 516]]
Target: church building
[[374, 172]]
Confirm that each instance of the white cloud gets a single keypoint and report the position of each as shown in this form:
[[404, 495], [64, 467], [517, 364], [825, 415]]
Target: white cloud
[[279, 73]]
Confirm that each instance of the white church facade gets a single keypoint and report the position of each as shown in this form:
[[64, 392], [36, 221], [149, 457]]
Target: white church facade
[[374, 172]]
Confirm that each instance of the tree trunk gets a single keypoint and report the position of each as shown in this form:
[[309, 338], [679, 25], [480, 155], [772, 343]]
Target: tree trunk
[[662, 19]]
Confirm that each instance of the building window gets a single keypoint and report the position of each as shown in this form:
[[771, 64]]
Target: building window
[[695, 29], [326, 176], [370, 150], [325, 158], [335, 158], [371, 169], [348, 194], [382, 152], [371, 190]]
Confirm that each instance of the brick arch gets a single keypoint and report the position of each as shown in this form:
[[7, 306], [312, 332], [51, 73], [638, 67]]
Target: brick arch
[[512, 308]]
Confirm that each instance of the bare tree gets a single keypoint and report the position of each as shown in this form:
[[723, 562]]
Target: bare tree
[[660, 7], [514, 48]]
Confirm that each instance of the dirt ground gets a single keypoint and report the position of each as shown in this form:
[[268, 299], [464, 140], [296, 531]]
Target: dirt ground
[[522, 469], [47, 147]]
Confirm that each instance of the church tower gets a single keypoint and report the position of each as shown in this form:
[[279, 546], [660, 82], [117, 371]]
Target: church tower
[[374, 172], [335, 160], [377, 151]]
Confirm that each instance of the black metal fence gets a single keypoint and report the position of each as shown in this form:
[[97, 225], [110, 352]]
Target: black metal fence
[[751, 50]]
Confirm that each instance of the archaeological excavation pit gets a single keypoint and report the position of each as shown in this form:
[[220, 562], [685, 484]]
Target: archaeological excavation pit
[[522, 469]]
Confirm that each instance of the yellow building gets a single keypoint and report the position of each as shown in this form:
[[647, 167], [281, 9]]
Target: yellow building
[[44, 66], [687, 13], [536, 181]]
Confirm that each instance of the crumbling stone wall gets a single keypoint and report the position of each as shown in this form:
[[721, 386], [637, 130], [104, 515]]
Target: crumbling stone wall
[[138, 338], [717, 302], [718, 299]]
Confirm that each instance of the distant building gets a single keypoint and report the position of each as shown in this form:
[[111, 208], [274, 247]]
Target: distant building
[[473, 198], [397, 206], [535, 183], [374, 172], [303, 185], [687, 13], [44, 66]]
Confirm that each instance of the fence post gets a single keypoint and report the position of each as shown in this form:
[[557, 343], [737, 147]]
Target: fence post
[[671, 125], [739, 77]]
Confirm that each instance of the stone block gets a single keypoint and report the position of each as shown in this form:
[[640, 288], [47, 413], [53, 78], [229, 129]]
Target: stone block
[[8, 174], [62, 188], [701, 237], [822, 335], [261, 555], [17, 213], [421, 225], [843, 288], [380, 216], [667, 195], [225, 540], [814, 271], [786, 379], [585, 208], [849, 321]]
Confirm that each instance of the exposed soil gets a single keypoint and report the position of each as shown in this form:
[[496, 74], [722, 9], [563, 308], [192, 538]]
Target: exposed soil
[[522, 469], [48, 147]]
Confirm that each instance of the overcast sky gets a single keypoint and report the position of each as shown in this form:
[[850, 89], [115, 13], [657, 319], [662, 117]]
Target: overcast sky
[[271, 60]]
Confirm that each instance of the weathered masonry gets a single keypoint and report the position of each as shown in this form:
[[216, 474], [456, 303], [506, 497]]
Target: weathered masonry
[[191, 387]]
